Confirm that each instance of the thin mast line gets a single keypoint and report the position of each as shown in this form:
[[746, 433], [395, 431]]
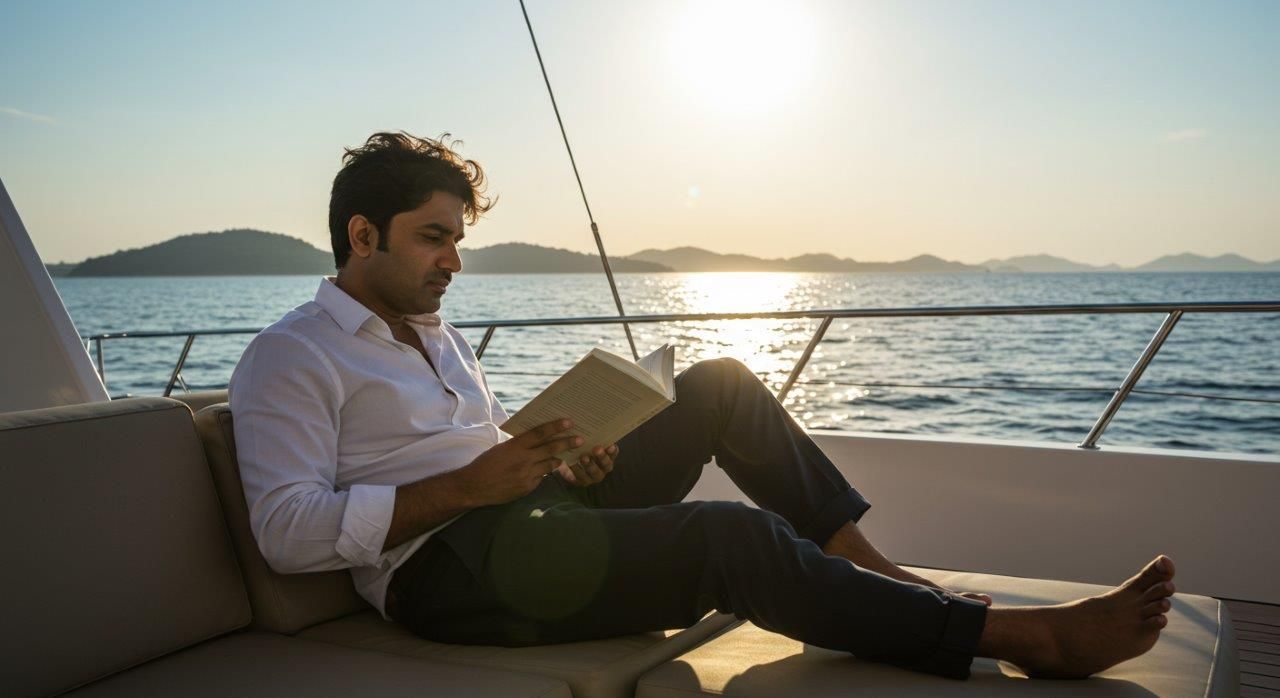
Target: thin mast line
[[595, 230]]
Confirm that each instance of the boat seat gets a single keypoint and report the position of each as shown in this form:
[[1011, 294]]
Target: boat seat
[[271, 665], [120, 577], [282, 603], [200, 399], [320, 606], [1196, 656]]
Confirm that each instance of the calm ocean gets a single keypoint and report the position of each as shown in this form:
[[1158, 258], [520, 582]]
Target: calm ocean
[[866, 375]]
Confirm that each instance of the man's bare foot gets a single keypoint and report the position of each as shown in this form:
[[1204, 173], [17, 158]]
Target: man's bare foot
[[1082, 638], [849, 543]]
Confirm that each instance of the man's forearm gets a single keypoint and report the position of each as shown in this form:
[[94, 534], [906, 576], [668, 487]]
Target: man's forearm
[[427, 503]]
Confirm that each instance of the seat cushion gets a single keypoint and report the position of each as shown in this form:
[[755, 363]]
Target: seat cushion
[[1195, 656], [266, 664], [115, 547], [200, 399], [605, 668], [282, 603]]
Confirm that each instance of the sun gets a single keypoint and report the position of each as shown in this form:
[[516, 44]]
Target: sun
[[743, 56]]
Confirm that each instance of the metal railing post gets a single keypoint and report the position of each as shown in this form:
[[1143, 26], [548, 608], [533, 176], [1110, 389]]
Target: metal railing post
[[804, 358], [102, 368], [488, 334], [177, 369], [1157, 341]]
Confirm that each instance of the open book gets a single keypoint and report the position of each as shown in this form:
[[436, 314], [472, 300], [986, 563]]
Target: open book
[[606, 396]]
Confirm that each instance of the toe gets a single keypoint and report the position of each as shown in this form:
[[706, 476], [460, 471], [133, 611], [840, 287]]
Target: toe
[[1156, 622], [1155, 608], [1159, 591], [1158, 570]]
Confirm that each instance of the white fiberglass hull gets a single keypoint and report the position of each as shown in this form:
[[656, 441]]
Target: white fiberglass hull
[[1062, 512]]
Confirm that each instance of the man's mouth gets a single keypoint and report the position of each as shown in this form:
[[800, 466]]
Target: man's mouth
[[438, 286]]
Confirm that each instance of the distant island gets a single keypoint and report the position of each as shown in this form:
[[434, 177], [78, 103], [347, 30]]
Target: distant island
[[523, 258], [1186, 262], [696, 259], [230, 252], [255, 252], [246, 251]]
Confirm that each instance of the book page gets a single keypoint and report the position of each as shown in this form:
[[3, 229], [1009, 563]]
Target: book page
[[627, 366], [661, 364], [652, 363], [604, 403]]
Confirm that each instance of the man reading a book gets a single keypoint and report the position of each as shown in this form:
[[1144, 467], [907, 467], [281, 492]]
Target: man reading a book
[[368, 438]]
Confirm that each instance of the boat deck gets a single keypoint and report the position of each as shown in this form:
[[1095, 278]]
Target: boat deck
[[1257, 629]]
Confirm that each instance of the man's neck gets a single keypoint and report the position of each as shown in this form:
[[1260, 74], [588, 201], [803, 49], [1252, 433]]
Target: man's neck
[[398, 323]]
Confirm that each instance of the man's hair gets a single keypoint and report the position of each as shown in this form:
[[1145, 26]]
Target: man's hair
[[397, 172]]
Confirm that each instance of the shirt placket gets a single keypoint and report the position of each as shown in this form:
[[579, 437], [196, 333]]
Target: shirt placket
[[432, 341]]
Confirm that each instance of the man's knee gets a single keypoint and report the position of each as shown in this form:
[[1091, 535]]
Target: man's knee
[[719, 371]]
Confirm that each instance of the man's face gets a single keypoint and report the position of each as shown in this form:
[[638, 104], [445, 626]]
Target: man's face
[[421, 256]]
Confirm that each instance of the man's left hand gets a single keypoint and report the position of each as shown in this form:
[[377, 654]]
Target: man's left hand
[[591, 468]]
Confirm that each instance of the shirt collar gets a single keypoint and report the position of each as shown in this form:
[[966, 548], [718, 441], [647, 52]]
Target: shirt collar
[[351, 314]]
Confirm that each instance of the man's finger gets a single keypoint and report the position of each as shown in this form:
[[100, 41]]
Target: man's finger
[[565, 472], [605, 463], [560, 445], [600, 456], [593, 472], [547, 465], [539, 434], [581, 475]]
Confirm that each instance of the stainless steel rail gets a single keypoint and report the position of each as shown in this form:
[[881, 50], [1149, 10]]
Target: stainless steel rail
[[1173, 312], [1091, 441]]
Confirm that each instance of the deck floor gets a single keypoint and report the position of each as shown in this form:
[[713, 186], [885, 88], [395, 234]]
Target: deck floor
[[1257, 629]]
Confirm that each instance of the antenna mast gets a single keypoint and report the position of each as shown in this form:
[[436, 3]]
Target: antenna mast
[[595, 230]]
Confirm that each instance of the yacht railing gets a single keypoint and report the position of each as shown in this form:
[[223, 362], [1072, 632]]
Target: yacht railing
[[1173, 312]]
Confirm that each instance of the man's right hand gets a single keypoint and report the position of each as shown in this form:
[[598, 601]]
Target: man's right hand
[[514, 467]]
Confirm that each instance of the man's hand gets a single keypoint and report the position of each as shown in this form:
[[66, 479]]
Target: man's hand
[[505, 472], [591, 468], [514, 467]]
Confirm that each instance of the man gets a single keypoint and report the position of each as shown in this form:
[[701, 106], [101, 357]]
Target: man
[[368, 439]]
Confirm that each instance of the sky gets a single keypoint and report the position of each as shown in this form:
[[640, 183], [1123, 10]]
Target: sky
[[1097, 131]]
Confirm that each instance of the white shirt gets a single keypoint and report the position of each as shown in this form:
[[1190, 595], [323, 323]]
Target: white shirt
[[331, 413]]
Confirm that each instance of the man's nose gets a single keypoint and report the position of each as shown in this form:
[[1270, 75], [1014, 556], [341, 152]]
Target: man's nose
[[451, 259]]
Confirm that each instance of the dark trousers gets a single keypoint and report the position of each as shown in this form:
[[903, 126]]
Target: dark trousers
[[624, 556]]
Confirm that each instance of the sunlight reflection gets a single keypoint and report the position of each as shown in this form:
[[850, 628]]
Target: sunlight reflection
[[770, 348]]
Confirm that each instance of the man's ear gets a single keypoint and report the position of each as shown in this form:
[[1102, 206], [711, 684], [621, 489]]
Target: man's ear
[[362, 235]]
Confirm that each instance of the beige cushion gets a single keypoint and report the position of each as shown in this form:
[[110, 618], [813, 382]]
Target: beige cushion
[[201, 399], [115, 548], [270, 665], [606, 668], [283, 603], [1195, 657]]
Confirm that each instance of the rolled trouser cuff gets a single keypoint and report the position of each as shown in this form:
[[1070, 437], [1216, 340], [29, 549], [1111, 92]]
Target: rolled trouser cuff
[[959, 641], [847, 506]]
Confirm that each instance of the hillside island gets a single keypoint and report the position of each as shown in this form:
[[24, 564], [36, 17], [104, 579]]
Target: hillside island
[[245, 251]]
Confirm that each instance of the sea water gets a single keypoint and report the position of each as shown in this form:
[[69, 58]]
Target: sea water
[[1041, 378]]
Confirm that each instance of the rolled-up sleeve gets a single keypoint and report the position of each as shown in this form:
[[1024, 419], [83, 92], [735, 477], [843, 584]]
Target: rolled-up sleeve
[[285, 399]]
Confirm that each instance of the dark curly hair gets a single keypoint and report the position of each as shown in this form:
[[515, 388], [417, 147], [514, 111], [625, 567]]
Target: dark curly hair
[[397, 172]]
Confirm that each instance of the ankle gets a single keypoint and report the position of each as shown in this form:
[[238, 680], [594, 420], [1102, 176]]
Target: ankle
[[849, 543], [1021, 635]]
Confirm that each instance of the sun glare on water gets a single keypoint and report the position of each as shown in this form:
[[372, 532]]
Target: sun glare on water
[[744, 56], [769, 347]]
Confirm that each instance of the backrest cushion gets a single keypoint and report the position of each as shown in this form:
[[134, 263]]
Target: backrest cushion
[[282, 603], [115, 547]]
